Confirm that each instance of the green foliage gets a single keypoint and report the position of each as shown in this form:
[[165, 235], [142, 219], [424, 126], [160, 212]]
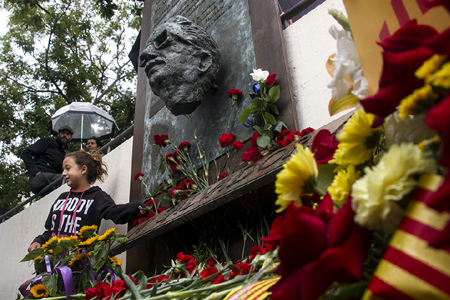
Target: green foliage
[[55, 53]]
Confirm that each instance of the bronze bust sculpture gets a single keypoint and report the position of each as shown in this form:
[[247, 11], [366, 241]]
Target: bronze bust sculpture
[[181, 62]]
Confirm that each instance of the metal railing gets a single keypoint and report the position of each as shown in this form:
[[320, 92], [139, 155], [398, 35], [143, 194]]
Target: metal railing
[[105, 149], [295, 10]]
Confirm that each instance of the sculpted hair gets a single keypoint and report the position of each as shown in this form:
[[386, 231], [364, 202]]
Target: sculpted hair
[[197, 37], [96, 168]]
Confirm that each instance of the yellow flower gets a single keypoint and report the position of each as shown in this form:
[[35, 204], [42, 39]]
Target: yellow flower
[[89, 241], [39, 291], [77, 258], [376, 194], [358, 140], [87, 231], [442, 77], [51, 241], [106, 234], [72, 237], [429, 144], [115, 260], [342, 184], [418, 102], [297, 178], [430, 66]]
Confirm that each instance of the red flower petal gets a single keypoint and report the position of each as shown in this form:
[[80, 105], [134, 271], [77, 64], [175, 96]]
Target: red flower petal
[[323, 146]]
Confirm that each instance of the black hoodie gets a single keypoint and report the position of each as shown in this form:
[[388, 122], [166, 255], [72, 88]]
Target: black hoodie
[[94, 206]]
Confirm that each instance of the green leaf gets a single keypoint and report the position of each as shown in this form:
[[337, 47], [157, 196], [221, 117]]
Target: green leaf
[[51, 283], [244, 115], [256, 101], [274, 94], [257, 128], [326, 175], [268, 133], [162, 165], [33, 254], [263, 141], [274, 109], [270, 118]]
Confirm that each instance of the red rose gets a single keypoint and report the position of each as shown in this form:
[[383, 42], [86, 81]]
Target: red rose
[[138, 176], [238, 145], [271, 79], [226, 139], [223, 175], [335, 252], [437, 118], [323, 146], [403, 53], [184, 146], [251, 155]]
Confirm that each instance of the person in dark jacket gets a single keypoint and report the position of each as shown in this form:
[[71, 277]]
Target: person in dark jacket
[[84, 205], [44, 158]]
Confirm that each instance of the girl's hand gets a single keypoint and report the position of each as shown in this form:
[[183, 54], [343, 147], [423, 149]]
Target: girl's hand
[[33, 246], [143, 211]]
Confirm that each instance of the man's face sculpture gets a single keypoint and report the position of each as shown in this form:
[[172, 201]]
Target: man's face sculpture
[[181, 61]]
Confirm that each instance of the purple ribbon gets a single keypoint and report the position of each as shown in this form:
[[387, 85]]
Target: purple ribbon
[[66, 274]]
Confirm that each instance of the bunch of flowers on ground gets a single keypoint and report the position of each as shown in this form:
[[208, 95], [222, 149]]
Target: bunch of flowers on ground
[[71, 265]]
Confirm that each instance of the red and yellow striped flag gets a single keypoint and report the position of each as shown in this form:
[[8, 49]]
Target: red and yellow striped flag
[[257, 291], [410, 268]]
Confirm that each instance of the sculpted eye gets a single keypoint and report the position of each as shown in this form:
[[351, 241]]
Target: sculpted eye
[[161, 39]]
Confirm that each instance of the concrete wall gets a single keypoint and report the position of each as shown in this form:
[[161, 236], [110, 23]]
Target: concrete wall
[[17, 233], [308, 46]]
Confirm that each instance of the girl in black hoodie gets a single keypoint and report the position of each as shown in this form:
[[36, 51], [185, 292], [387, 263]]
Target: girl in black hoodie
[[84, 205]]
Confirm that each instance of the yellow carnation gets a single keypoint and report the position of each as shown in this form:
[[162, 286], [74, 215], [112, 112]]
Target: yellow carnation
[[297, 178], [430, 66], [342, 184], [358, 140], [442, 77], [376, 194]]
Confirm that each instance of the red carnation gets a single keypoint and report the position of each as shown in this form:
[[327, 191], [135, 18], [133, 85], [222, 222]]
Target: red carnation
[[184, 146], [226, 139], [138, 176], [102, 290], [257, 250], [251, 155], [306, 131], [254, 138], [234, 94], [238, 145], [271, 79], [243, 269], [223, 175], [188, 261], [211, 271], [160, 140]]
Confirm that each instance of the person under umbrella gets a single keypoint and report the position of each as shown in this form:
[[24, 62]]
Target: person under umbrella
[[93, 144], [43, 159]]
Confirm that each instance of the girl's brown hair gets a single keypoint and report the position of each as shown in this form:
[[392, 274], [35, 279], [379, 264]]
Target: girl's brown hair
[[96, 168]]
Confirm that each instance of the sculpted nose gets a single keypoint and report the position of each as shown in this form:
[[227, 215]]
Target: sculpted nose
[[146, 56]]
